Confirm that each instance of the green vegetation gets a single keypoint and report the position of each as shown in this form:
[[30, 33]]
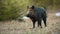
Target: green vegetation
[[11, 9]]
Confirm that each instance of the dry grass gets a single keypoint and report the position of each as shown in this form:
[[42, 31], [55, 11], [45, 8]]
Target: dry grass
[[15, 27]]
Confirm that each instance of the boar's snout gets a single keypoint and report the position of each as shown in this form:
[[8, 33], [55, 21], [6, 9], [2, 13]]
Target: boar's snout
[[27, 15]]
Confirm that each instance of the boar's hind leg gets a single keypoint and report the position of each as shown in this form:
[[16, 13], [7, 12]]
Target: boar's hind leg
[[39, 22], [44, 19]]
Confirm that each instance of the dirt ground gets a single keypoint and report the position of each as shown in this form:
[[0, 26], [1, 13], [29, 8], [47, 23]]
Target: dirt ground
[[17, 27]]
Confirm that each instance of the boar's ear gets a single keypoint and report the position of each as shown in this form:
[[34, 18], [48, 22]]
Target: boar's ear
[[27, 7], [33, 7]]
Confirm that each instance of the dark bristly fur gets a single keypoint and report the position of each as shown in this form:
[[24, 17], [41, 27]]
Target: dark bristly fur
[[37, 14]]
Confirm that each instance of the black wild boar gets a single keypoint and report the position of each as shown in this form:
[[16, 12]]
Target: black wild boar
[[36, 14]]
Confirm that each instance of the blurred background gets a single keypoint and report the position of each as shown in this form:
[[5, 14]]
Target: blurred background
[[12, 10]]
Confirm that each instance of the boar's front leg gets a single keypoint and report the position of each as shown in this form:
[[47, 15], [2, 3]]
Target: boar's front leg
[[33, 23]]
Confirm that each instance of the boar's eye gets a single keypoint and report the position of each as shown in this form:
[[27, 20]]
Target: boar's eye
[[30, 10]]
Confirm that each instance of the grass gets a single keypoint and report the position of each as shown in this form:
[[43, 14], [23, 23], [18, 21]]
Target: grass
[[16, 27]]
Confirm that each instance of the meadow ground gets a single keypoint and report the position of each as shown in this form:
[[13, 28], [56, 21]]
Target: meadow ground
[[17, 27]]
